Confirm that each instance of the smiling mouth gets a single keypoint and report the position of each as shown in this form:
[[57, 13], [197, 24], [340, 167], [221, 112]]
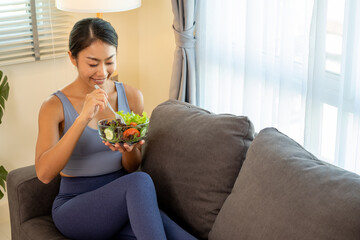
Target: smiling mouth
[[98, 80]]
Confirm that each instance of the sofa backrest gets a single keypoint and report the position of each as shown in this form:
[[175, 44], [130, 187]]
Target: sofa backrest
[[194, 157]]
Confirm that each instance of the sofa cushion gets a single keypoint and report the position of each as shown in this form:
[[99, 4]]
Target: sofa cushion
[[284, 192], [40, 228], [194, 157]]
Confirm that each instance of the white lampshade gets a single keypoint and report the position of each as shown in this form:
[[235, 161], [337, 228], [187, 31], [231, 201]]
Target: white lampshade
[[97, 6]]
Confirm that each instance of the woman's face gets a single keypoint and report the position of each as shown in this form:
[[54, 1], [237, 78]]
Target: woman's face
[[95, 63]]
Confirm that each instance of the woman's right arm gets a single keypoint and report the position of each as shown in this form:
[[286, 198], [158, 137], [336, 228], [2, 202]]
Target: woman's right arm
[[52, 153]]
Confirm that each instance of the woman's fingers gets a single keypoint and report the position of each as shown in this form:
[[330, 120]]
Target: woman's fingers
[[128, 147], [101, 98], [124, 147], [115, 147], [101, 104], [109, 145], [101, 91], [120, 147], [95, 101]]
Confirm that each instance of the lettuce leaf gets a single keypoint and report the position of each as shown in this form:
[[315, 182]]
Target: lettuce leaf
[[133, 117]]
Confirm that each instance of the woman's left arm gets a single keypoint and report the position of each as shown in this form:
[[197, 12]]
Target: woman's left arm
[[131, 154]]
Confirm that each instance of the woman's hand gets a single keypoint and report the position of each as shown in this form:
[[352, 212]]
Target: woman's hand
[[131, 154], [123, 148], [94, 102]]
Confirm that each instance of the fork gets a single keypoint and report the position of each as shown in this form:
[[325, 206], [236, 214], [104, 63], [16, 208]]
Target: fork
[[117, 116]]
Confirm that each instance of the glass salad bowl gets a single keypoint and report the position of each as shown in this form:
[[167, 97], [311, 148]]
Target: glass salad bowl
[[134, 129]]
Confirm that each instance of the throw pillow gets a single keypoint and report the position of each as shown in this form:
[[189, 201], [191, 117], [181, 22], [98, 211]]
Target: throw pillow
[[194, 157], [284, 192]]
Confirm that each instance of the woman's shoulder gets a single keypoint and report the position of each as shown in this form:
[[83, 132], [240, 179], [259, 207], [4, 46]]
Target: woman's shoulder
[[51, 106], [52, 101], [135, 98]]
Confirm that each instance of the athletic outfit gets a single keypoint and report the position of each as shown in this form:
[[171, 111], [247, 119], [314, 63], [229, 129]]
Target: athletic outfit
[[103, 201]]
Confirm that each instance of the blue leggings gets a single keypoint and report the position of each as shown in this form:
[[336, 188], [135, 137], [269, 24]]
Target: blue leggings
[[112, 206]]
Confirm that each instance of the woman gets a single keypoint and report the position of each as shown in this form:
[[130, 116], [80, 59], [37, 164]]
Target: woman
[[100, 196]]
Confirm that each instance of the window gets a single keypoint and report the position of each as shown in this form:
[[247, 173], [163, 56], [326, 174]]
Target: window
[[289, 64], [335, 111], [334, 31], [327, 102], [32, 30]]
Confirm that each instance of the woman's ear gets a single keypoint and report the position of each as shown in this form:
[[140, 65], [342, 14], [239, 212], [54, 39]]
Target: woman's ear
[[72, 59]]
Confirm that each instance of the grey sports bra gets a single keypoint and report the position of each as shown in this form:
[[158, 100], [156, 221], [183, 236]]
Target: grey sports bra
[[90, 156]]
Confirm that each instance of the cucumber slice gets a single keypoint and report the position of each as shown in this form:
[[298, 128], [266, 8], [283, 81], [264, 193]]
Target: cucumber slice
[[109, 134]]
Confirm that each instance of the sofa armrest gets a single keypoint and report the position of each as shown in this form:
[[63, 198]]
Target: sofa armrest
[[28, 197]]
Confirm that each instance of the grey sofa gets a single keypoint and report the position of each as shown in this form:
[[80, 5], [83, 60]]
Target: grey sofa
[[219, 181]]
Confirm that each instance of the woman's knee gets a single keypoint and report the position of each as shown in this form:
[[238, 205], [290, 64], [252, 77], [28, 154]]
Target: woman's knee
[[141, 179]]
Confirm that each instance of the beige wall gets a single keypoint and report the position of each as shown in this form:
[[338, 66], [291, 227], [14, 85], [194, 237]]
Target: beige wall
[[145, 55], [156, 51]]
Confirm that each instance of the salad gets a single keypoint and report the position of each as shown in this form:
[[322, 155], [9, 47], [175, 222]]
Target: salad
[[134, 129]]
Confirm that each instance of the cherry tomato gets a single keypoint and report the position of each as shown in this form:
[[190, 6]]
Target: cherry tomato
[[134, 124], [131, 132]]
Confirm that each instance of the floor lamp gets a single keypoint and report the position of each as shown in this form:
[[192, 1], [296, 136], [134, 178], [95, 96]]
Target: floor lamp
[[99, 7]]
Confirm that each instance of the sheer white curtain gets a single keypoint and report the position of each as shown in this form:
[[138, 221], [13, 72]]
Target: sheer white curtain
[[288, 64], [333, 100]]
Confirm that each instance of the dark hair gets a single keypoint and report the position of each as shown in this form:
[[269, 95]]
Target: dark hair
[[88, 30]]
